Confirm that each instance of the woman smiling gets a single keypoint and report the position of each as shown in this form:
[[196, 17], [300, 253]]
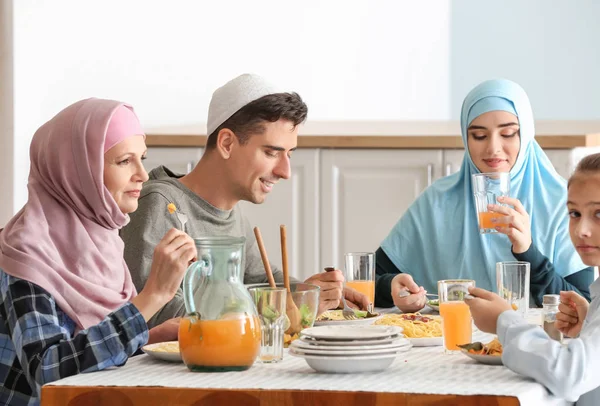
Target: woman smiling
[[438, 237]]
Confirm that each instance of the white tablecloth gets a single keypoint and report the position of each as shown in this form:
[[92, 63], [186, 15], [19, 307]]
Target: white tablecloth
[[421, 370], [424, 370]]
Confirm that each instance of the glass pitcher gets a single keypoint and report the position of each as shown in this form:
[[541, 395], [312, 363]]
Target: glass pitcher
[[221, 329]]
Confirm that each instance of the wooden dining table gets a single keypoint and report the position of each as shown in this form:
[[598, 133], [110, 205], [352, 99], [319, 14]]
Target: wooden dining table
[[76, 396]]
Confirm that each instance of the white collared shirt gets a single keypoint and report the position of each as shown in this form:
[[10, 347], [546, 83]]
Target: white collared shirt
[[570, 371]]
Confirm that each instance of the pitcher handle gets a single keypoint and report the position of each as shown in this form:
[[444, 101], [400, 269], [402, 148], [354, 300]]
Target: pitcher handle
[[202, 267]]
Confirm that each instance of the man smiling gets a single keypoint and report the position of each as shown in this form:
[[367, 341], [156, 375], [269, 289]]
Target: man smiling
[[253, 132]]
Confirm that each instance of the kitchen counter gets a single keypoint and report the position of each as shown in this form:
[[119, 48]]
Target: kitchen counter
[[390, 135]]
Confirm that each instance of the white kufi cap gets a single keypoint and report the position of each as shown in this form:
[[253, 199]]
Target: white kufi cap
[[234, 95]]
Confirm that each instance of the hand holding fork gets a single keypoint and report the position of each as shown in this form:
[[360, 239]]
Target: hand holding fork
[[182, 217]]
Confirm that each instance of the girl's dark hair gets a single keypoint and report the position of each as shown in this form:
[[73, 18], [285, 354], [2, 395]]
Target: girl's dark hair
[[589, 164], [251, 118]]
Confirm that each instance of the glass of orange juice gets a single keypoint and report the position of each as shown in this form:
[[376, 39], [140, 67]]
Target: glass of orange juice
[[360, 274], [487, 188], [456, 316]]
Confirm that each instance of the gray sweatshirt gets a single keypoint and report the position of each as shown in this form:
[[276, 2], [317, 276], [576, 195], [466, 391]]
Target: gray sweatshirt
[[151, 221]]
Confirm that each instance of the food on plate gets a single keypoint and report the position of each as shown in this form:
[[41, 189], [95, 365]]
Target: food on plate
[[434, 302], [514, 306], [171, 346], [337, 315], [415, 325], [493, 348], [287, 339], [172, 208]]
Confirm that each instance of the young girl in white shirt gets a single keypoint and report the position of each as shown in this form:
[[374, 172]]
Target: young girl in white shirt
[[570, 371]]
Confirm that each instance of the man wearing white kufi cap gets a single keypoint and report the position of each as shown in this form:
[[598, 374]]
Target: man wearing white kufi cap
[[253, 131]]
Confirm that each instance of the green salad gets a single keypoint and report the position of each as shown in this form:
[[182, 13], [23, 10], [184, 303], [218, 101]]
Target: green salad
[[306, 316]]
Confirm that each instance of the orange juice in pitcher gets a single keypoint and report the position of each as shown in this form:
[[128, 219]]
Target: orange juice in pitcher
[[221, 330], [228, 344]]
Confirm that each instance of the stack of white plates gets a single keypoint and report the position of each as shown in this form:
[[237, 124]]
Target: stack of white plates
[[350, 348]]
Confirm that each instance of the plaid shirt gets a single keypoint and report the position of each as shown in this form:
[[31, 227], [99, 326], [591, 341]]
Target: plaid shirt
[[38, 343]]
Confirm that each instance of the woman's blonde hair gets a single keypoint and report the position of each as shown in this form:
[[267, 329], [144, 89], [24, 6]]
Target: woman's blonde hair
[[588, 165]]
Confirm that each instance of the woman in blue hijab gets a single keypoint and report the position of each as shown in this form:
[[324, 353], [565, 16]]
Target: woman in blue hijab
[[438, 237]]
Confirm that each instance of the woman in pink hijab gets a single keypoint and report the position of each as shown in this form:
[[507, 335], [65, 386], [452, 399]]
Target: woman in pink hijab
[[67, 302]]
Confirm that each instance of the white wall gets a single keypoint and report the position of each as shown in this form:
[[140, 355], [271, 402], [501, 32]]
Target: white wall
[[348, 59], [7, 207], [351, 60], [550, 47]]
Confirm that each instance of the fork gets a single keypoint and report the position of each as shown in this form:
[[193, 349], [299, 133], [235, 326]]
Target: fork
[[182, 219], [347, 311], [404, 293]]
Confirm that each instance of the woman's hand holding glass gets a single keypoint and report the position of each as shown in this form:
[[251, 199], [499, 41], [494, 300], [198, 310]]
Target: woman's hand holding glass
[[171, 259], [415, 300], [515, 223]]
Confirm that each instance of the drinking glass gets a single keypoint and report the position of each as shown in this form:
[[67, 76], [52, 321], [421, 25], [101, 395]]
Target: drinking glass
[[512, 281], [360, 274], [456, 316], [270, 304], [487, 188]]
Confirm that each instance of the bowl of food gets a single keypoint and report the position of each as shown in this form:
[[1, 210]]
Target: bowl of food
[[306, 301]]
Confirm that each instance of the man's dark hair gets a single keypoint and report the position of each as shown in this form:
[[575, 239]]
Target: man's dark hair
[[251, 119]]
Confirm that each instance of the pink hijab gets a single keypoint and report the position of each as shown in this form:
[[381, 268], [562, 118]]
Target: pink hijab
[[65, 239]]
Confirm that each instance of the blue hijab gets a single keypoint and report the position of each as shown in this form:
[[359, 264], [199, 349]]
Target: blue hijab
[[438, 237]]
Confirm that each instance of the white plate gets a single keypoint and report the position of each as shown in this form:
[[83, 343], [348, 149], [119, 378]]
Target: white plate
[[484, 359], [153, 351], [350, 332], [307, 345], [386, 340], [368, 321], [347, 365], [350, 352], [426, 342]]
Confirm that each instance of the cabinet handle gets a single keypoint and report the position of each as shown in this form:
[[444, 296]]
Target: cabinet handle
[[190, 166], [448, 169], [429, 174]]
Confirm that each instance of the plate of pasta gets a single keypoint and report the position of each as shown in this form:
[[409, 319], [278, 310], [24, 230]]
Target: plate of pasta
[[420, 330], [166, 351]]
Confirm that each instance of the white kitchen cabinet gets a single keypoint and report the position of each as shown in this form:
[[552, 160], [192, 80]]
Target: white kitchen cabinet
[[453, 159], [364, 193], [561, 160], [179, 160], [295, 203]]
